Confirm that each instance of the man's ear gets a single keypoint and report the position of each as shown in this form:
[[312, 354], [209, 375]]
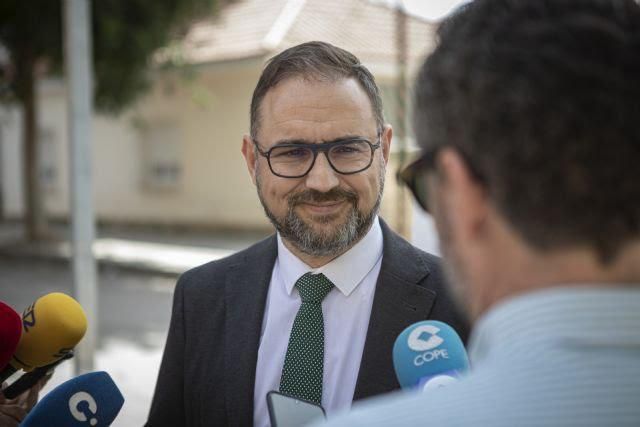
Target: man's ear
[[249, 153], [465, 197], [385, 142]]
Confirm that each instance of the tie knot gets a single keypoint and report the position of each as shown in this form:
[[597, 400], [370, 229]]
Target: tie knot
[[313, 288]]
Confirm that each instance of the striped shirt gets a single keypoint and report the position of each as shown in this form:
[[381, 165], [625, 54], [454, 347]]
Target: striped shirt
[[566, 356]]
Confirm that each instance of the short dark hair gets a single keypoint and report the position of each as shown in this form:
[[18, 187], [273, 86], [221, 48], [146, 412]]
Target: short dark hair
[[314, 60], [542, 97]]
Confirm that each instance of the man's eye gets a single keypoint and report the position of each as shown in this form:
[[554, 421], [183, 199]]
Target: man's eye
[[348, 149], [290, 152]]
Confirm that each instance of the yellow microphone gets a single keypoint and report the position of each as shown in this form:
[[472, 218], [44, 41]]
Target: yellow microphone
[[51, 328]]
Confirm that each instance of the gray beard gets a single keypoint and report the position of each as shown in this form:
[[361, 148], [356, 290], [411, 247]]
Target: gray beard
[[343, 237], [302, 235]]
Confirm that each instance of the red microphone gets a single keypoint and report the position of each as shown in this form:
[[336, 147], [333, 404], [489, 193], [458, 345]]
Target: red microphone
[[10, 333]]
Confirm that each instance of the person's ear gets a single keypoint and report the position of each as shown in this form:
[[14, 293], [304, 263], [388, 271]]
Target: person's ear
[[464, 196], [249, 154], [385, 142]]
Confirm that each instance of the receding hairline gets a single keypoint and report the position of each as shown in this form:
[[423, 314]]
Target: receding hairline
[[313, 78]]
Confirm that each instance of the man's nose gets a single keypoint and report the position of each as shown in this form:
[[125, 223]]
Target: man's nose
[[322, 177]]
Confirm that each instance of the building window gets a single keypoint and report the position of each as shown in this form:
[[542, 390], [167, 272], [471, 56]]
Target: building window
[[161, 157]]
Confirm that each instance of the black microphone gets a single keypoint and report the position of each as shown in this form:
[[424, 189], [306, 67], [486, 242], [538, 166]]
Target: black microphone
[[30, 379]]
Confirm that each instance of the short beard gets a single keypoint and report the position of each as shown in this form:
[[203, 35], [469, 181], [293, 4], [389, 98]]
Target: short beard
[[302, 235]]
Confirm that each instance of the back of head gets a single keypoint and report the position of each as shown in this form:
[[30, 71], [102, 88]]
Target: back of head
[[318, 61], [542, 99]]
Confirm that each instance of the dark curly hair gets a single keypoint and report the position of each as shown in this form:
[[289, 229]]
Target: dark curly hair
[[542, 98]]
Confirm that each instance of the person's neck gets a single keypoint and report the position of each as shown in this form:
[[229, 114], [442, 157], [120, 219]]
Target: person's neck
[[528, 270]]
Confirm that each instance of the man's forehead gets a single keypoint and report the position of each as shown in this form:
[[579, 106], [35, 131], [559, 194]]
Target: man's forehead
[[311, 106]]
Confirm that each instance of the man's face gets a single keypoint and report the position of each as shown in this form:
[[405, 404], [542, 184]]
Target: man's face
[[452, 257], [468, 245], [323, 213]]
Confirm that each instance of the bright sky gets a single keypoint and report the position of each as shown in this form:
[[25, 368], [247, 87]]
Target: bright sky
[[432, 10]]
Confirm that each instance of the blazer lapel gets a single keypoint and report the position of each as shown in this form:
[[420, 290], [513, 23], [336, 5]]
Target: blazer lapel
[[399, 301], [245, 297]]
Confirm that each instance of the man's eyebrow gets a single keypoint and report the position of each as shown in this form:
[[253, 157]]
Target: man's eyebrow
[[309, 142]]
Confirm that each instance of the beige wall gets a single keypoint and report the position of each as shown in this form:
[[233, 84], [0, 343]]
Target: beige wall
[[210, 112], [52, 117], [211, 115]]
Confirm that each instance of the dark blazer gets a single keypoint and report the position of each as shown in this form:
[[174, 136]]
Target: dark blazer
[[208, 370]]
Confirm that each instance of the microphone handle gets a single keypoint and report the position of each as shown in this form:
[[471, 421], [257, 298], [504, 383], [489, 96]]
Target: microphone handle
[[6, 373], [30, 379]]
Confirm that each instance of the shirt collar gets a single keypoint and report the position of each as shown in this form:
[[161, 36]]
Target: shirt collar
[[592, 315], [345, 272]]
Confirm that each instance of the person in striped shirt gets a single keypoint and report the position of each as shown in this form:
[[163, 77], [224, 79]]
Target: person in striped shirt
[[528, 115]]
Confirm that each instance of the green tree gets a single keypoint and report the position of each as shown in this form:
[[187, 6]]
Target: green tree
[[125, 36]]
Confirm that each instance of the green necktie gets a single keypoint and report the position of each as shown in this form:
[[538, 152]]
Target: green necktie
[[303, 364]]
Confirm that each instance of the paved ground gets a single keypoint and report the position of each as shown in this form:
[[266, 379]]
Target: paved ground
[[136, 279]]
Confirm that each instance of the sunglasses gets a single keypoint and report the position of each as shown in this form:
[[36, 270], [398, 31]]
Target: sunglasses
[[414, 176]]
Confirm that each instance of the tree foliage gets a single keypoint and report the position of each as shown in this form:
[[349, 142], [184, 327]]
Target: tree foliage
[[126, 34]]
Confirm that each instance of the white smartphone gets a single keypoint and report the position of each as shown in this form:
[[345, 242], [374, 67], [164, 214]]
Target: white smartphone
[[289, 411]]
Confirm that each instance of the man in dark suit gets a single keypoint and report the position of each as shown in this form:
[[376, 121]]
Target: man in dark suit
[[314, 310]]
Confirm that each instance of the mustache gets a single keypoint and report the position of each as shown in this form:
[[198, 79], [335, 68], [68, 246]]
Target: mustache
[[315, 196]]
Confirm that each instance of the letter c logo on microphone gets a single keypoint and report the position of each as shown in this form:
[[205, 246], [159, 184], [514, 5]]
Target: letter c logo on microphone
[[417, 342], [79, 415]]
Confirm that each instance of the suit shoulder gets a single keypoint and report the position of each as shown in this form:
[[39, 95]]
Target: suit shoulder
[[215, 271], [397, 245], [433, 262]]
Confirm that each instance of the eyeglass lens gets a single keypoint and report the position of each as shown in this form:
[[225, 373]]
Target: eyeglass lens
[[347, 157]]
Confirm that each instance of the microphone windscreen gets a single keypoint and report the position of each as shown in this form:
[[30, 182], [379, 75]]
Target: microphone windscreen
[[10, 333], [89, 400], [427, 354], [52, 326]]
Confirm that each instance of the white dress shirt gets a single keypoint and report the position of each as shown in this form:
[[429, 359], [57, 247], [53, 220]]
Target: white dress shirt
[[346, 311]]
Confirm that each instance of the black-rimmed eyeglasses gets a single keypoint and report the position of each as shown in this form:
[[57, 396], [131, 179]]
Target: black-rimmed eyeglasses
[[296, 159]]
